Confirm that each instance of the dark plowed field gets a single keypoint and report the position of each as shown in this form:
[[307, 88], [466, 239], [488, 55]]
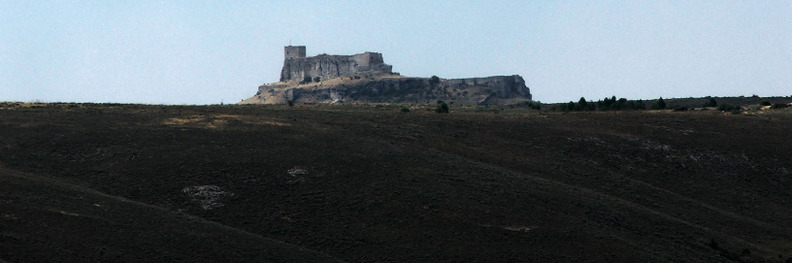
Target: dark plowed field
[[365, 183]]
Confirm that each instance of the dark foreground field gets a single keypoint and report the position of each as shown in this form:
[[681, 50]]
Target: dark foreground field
[[331, 183]]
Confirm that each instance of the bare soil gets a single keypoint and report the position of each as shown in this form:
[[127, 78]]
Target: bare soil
[[370, 183]]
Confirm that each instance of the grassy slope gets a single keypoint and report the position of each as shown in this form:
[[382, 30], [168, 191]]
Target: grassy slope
[[388, 186]]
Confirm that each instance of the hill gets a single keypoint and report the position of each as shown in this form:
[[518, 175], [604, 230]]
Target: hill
[[397, 89], [372, 183], [365, 78]]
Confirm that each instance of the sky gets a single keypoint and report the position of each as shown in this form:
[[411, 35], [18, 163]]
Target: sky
[[208, 52]]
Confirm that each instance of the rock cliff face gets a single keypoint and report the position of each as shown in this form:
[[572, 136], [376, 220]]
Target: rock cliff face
[[397, 89], [365, 78], [331, 66]]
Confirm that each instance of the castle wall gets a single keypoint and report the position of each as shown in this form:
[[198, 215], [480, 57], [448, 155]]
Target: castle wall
[[368, 59], [332, 66], [291, 52]]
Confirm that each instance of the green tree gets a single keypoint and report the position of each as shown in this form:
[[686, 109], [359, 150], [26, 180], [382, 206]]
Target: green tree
[[582, 103], [570, 106], [659, 104], [711, 103], [442, 107], [639, 105]]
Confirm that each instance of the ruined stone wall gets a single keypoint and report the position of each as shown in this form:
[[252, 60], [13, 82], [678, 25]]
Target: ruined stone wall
[[290, 52], [368, 59], [331, 66]]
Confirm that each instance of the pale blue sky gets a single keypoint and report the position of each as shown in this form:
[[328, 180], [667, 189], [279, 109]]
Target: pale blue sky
[[202, 52]]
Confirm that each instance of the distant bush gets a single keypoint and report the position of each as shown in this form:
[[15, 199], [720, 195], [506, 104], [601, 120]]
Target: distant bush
[[583, 105], [434, 80], [317, 79], [679, 108], [405, 109], [612, 103], [306, 79], [442, 107], [711, 103], [536, 105], [639, 105], [659, 104], [566, 106], [605, 104], [779, 106], [765, 103]]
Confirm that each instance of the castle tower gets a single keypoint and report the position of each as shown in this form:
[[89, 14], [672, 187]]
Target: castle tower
[[294, 52]]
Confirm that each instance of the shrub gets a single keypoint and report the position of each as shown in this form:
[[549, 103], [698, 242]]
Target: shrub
[[711, 103], [306, 79], [779, 106], [317, 79], [765, 103], [639, 105], [405, 109], [566, 106], [434, 80], [659, 104], [442, 107], [582, 104], [536, 105]]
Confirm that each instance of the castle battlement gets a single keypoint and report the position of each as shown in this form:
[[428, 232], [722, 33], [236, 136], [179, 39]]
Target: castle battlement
[[297, 67]]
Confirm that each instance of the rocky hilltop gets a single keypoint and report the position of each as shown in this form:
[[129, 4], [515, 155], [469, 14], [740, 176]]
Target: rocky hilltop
[[365, 78]]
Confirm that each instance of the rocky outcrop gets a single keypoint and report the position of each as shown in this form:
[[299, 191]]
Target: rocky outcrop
[[397, 89], [332, 66], [365, 78]]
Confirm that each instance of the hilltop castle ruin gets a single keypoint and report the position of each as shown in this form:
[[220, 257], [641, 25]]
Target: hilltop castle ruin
[[297, 67], [365, 78]]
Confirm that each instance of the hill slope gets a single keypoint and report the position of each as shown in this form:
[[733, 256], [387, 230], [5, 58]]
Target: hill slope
[[46, 219], [370, 183]]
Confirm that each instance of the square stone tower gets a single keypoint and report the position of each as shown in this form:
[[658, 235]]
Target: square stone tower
[[291, 52]]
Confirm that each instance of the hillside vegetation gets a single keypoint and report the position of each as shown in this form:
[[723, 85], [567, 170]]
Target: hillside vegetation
[[391, 183]]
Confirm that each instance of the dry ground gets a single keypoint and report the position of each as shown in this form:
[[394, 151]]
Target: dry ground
[[369, 183]]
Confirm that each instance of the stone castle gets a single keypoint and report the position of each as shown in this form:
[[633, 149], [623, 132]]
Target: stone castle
[[297, 67], [365, 78]]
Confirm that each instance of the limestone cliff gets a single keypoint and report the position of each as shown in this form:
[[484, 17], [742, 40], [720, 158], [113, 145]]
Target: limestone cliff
[[365, 78], [397, 89]]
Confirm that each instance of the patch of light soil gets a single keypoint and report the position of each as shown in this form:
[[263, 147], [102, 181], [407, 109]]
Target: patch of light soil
[[207, 196]]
